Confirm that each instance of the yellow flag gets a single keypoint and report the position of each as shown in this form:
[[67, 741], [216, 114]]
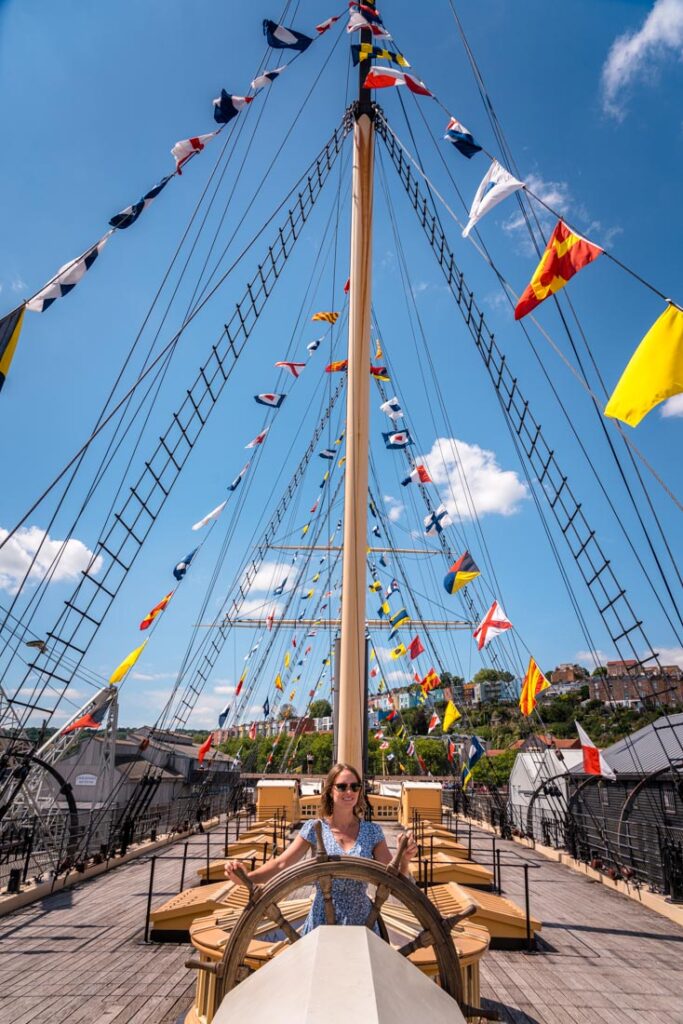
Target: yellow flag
[[292, 695], [398, 652], [378, 349], [127, 664], [278, 682], [654, 373], [287, 659], [534, 683], [341, 461], [375, 585], [450, 715]]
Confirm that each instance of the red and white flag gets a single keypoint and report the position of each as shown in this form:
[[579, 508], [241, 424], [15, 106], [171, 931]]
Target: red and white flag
[[252, 731], [327, 24], [259, 439], [186, 148], [433, 722], [493, 623], [593, 761], [293, 368], [418, 476], [380, 77], [357, 21]]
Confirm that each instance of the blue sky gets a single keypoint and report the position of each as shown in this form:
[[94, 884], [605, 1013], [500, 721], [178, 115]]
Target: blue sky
[[94, 96]]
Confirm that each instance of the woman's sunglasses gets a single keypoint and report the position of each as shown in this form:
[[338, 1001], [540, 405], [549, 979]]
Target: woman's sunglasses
[[343, 786]]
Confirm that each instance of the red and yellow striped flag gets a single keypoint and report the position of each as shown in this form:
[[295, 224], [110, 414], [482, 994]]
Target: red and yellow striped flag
[[329, 318], [534, 683]]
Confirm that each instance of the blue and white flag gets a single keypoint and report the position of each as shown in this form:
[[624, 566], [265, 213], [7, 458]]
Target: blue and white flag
[[437, 521], [225, 106], [131, 213], [266, 708], [383, 562], [392, 588], [274, 401], [392, 408], [461, 138], [313, 345], [238, 479], [67, 277], [281, 38], [182, 567], [328, 453], [267, 77], [223, 716], [280, 588], [376, 532], [399, 439]]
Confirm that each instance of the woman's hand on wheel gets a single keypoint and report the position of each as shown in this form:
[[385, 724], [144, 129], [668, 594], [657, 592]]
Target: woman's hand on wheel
[[231, 869], [411, 849]]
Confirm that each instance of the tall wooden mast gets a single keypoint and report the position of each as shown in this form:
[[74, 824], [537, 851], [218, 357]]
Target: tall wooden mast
[[352, 667]]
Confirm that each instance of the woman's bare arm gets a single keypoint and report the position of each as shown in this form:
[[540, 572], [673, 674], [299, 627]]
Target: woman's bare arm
[[297, 849]]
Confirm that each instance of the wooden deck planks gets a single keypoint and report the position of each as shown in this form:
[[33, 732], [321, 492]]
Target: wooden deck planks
[[78, 956]]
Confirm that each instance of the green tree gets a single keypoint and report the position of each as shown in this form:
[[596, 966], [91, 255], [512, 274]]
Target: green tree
[[599, 671], [492, 675], [320, 709]]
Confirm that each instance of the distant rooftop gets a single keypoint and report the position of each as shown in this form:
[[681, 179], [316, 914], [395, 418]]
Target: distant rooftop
[[649, 749]]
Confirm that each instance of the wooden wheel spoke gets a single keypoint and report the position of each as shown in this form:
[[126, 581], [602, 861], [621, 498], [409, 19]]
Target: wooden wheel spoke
[[381, 896], [276, 915], [325, 884], [423, 938]]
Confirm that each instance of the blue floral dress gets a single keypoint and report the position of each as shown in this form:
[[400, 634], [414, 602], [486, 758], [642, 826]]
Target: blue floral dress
[[351, 901]]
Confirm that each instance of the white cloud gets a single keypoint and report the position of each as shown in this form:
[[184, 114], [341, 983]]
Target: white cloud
[[638, 54], [17, 284], [226, 690], [259, 607], [588, 658], [491, 489], [272, 574], [673, 406], [666, 656], [16, 556], [670, 655], [394, 508]]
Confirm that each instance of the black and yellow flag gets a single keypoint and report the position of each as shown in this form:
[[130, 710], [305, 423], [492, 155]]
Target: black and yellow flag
[[10, 329]]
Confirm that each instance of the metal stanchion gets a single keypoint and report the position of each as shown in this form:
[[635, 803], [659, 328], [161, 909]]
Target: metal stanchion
[[182, 871], [493, 863], [527, 909], [500, 879], [469, 841], [208, 856], [149, 897]]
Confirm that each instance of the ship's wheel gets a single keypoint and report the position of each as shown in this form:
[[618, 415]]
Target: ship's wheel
[[264, 905]]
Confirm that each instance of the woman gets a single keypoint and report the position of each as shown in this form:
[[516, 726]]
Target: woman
[[344, 832]]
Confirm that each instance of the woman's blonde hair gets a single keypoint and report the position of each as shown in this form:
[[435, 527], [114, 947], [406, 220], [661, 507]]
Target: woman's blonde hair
[[326, 801]]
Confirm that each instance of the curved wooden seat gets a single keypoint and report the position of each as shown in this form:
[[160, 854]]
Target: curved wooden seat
[[504, 920], [443, 867]]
